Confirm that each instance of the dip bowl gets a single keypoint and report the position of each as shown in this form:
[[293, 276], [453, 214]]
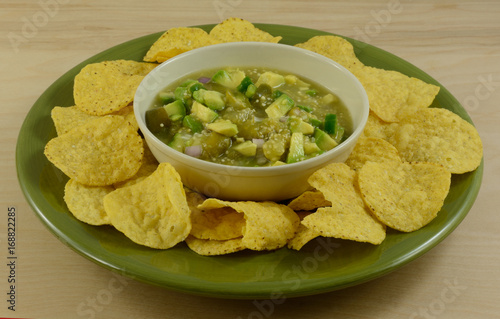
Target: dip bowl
[[238, 183]]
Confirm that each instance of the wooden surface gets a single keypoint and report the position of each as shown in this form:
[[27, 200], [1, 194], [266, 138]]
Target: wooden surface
[[456, 42]]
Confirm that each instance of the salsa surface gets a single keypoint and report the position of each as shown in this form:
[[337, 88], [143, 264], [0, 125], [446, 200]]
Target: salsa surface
[[248, 117]]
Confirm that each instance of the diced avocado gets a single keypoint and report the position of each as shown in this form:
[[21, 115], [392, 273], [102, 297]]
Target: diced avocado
[[198, 96], [280, 106], [182, 93], [246, 148], [187, 83], [195, 87], [179, 140], [297, 125], [323, 140], [203, 113], [175, 110], [224, 127], [157, 120], [229, 78], [214, 100], [311, 148], [296, 151], [166, 97], [272, 79], [192, 123]]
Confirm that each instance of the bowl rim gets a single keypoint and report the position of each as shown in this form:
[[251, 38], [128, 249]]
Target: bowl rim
[[229, 170]]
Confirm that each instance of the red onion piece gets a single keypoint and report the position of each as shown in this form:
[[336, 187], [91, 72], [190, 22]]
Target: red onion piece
[[194, 151], [203, 79]]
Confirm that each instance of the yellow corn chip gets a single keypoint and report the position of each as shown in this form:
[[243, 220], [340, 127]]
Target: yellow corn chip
[[303, 236], [214, 224], [377, 128], [334, 47], [439, 136], [348, 218], [86, 202], [406, 196], [106, 87], [393, 95], [101, 152], [268, 225], [176, 41], [236, 30], [148, 166], [371, 149], [207, 247], [309, 200], [153, 212], [67, 118]]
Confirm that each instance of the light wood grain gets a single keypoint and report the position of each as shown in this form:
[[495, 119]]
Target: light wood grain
[[456, 42]]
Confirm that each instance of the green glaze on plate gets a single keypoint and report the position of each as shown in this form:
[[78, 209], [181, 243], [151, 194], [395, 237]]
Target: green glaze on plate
[[323, 265]]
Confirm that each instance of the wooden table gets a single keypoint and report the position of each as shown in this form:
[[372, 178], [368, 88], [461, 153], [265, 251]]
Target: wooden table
[[456, 42]]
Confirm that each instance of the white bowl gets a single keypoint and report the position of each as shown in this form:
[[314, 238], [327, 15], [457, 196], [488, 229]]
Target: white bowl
[[252, 183]]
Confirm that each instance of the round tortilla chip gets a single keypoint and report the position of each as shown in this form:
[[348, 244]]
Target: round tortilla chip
[[176, 41], [439, 136], [370, 149], [348, 217], [206, 247], [236, 30], [86, 202], [106, 87], [153, 212], [103, 151], [268, 225], [405, 197]]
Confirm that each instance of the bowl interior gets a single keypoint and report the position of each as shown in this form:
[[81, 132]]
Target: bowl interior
[[285, 58]]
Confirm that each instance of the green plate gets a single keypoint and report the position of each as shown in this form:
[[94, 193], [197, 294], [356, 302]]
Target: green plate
[[323, 265]]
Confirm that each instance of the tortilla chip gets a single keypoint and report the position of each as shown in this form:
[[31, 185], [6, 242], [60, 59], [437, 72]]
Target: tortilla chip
[[309, 200], [148, 166], [236, 30], [207, 247], [176, 41], [102, 152], [439, 136], [370, 149], [268, 225], [214, 224], [405, 196], [86, 202], [106, 87], [334, 47], [153, 212], [348, 217], [393, 95]]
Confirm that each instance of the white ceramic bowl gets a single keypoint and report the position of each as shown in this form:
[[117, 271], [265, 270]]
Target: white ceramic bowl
[[252, 183]]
